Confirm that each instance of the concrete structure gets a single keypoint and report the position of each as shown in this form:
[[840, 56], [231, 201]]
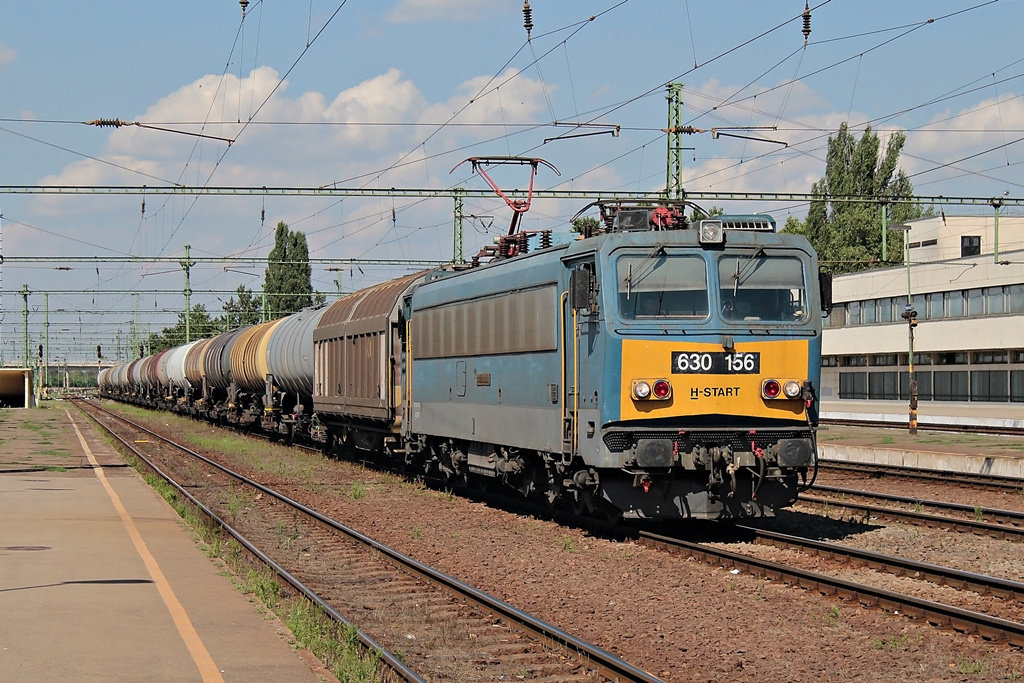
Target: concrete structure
[[16, 388], [968, 293]]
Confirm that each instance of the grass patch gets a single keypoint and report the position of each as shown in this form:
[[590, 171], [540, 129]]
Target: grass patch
[[357, 490], [263, 584], [337, 645], [568, 544], [55, 468], [967, 665], [57, 453], [900, 642]]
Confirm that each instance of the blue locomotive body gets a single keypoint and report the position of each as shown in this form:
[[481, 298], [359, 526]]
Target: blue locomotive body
[[525, 371]]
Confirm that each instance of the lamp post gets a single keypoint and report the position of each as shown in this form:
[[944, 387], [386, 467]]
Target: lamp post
[[910, 315]]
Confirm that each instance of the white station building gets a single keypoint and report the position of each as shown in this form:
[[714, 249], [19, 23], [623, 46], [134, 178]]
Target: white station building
[[965, 278]]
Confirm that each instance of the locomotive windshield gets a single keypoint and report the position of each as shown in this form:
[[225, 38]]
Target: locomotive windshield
[[757, 287], [661, 284]]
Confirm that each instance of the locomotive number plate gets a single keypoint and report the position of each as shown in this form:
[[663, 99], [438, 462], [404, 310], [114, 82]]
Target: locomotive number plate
[[715, 363]]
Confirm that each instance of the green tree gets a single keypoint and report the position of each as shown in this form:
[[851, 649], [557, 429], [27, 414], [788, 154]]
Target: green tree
[[586, 225], [288, 278], [847, 233], [245, 310], [201, 326]]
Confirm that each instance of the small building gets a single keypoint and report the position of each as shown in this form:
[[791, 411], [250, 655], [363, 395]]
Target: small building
[[965, 281]]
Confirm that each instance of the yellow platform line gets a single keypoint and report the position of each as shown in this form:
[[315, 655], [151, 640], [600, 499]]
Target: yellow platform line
[[207, 668]]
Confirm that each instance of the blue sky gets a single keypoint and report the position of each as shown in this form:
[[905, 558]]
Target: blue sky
[[298, 85]]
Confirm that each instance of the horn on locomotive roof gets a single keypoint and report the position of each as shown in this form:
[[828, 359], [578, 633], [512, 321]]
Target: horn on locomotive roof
[[518, 206]]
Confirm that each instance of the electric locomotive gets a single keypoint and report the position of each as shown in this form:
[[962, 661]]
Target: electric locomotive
[[658, 369]]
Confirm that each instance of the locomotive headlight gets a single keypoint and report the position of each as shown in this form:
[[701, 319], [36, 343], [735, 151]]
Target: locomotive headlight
[[710, 232], [792, 389], [641, 390], [646, 390], [770, 388]]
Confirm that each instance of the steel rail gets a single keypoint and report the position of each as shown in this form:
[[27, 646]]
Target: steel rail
[[974, 479], [900, 566], [962, 620], [1011, 517], [366, 641], [929, 426], [1001, 531], [608, 665]]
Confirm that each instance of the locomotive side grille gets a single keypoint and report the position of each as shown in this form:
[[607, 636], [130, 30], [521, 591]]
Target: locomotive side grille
[[618, 442]]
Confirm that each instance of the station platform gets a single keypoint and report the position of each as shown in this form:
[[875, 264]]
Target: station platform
[[100, 580], [932, 450], [1001, 455]]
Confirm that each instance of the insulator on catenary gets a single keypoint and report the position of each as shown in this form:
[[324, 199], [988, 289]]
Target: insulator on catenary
[[527, 18], [807, 21]]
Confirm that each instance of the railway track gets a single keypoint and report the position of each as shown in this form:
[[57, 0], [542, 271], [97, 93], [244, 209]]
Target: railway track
[[993, 482], [421, 623], [961, 620], [983, 584], [1004, 524]]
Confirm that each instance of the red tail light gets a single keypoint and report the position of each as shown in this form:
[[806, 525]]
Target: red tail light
[[771, 388], [662, 389]]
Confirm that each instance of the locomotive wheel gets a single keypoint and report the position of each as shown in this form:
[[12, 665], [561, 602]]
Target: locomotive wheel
[[609, 513], [580, 502]]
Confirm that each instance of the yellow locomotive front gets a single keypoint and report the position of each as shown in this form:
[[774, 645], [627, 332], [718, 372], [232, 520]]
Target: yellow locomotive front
[[711, 356]]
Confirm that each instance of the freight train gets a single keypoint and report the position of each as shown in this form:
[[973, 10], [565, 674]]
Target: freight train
[[655, 368]]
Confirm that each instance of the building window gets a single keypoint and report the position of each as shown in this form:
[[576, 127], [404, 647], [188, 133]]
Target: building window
[[975, 303], [1015, 299], [884, 360], [853, 385], [1018, 356], [933, 307], [1017, 386], [970, 245], [951, 358], [994, 304], [982, 357], [883, 386], [830, 361], [918, 305], [950, 385], [868, 310], [919, 358], [924, 386], [853, 313], [954, 304], [989, 385], [854, 361]]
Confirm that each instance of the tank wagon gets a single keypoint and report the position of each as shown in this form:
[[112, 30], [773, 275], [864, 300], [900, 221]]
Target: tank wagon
[[657, 369]]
